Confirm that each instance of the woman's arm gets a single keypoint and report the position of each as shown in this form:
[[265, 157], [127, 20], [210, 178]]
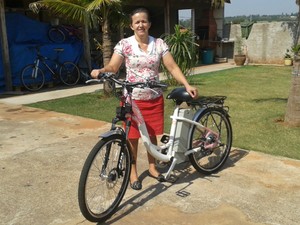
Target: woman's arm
[[176, 72], [113, 66]]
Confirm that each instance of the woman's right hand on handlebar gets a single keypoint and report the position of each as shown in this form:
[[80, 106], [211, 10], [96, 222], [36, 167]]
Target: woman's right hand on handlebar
[[96, 72]]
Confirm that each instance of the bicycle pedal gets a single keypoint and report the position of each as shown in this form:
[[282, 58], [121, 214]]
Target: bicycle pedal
[[171, 179], [165, 139]]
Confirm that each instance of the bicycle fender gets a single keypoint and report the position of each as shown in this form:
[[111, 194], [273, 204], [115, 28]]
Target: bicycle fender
[[112, 132], [200, 111]]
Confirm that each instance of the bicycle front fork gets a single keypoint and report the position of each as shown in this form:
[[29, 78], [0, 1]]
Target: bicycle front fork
[[35, 70]]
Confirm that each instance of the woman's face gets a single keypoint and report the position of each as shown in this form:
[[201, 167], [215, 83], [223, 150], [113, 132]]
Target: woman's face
[[140, 24]]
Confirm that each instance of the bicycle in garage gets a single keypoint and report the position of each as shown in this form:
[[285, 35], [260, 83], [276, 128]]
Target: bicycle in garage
[[33, 76], [200, 133]]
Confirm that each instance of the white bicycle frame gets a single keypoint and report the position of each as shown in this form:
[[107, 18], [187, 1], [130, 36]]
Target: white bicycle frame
[[155, 150]]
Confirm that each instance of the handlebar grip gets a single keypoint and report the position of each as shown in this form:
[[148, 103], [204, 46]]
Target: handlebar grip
[[100, 75], [155, 84]]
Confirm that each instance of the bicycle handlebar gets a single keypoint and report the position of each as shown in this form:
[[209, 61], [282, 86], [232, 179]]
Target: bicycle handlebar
[[111, 77]]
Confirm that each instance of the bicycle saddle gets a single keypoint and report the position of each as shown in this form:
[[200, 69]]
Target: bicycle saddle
[[179, 94], [58, 49]]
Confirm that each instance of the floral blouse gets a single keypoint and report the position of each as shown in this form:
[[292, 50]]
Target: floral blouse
[[141, 65]]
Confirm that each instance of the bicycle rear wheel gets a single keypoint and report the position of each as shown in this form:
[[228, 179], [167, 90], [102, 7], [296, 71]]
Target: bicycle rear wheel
[[56, 35], [32, 78], [104, 179], [214, 142], [69, 73]]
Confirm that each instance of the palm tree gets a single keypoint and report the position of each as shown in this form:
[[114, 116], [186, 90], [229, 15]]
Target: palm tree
[[107, 12], [219, 3], [298, 24], [292, 115]]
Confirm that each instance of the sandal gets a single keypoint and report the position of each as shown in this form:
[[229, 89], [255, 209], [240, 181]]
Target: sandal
[[136, 185], [160, 177]]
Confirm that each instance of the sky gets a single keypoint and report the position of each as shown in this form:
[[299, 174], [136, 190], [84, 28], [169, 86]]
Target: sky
[[261, 7]]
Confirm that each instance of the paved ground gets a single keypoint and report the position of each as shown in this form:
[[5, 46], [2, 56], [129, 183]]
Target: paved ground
[[42, 154]]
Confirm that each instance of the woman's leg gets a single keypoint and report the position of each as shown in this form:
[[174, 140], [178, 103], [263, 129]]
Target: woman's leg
[[152, 168], [134, 147]]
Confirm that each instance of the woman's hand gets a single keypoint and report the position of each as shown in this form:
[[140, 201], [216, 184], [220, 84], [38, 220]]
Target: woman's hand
[[96, 72], [192, 91]]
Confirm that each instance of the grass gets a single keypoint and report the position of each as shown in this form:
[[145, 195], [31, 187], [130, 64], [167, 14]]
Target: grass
[[256, 95]]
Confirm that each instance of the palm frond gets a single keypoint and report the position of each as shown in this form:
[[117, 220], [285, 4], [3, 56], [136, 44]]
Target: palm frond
[[184, 50], [74, 10], [98, 4]]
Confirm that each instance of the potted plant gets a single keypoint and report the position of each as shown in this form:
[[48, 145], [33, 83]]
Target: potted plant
[[288, 61], [240, 56], [184, 49]]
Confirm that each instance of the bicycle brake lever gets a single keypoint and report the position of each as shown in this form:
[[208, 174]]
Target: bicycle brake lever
[[93, 80]]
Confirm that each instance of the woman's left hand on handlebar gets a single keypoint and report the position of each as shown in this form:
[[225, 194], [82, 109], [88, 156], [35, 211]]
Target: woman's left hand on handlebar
[[95, 73]]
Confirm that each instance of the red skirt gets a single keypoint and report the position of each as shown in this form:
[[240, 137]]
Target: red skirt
[[153, 114]]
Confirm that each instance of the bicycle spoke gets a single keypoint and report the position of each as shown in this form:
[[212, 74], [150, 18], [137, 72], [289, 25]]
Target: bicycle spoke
[[32, 78], [69, 73], [104, 180], [214, 142]]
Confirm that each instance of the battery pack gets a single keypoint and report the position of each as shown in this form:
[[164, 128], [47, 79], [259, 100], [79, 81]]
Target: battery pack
[[181, 135]]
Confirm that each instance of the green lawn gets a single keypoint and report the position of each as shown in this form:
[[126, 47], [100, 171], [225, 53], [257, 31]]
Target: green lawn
[[257, 97]]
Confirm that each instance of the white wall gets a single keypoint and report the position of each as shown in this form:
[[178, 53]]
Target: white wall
[[267, 42]]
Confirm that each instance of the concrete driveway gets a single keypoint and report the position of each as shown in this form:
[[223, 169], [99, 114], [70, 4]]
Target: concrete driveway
[[42, 154]]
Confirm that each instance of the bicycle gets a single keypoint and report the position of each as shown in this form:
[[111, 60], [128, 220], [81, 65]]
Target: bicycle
[[59, 33], [201, 133], [33, 77]]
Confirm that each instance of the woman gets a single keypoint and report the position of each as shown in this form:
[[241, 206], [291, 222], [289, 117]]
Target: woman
[[143, 54]]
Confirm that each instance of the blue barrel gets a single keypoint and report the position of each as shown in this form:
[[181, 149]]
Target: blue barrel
[[207, 56]]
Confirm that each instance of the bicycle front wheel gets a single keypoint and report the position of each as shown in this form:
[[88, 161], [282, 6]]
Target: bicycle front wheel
[[32, 78], [69, 73], [213, 142], [104, 179]]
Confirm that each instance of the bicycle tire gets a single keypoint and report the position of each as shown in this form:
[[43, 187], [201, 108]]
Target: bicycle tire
[[104, 180], [32, 78], [69, 73], [213, 154], [56, 35]]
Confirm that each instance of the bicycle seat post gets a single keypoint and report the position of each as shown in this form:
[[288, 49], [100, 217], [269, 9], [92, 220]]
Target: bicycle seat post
[[58, 50], [38, 51]]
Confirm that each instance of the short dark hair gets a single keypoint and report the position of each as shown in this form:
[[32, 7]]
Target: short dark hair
[[140, 10]]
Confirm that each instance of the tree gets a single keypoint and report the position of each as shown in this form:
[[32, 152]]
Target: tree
[[219, 3], [108, 14], [292, 115], [296, 40]]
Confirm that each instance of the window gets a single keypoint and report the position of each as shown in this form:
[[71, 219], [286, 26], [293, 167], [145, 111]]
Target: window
[[186, 19]]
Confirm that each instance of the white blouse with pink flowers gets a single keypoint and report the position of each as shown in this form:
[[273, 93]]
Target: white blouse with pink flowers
[[141, 65]]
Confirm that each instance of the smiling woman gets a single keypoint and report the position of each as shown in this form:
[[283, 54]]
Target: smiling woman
[[143, 55]]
